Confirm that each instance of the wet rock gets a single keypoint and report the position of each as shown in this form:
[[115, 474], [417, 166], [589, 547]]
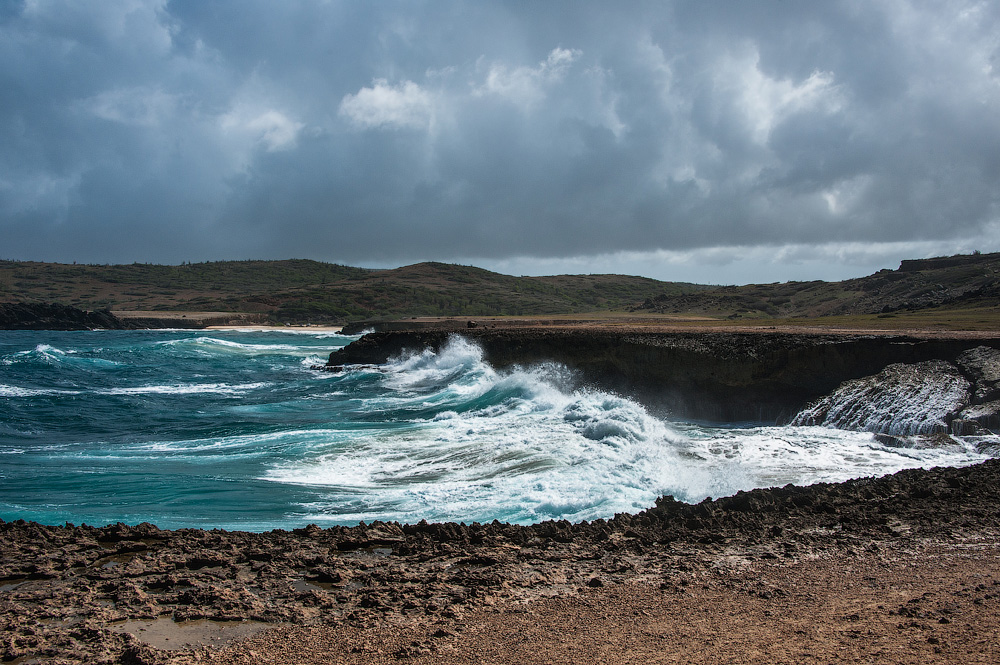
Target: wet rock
[[982, 365], [892, 440], [968, 426], [986, 415], [902, 399], [938, 440]]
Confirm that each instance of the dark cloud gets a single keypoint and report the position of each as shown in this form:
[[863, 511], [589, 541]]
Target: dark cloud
[[513, 132]]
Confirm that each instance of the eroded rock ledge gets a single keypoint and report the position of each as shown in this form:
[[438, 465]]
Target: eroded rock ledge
[[715, 376]]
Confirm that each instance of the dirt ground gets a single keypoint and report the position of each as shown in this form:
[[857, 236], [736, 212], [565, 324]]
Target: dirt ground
[[932, 603], [899, 569]]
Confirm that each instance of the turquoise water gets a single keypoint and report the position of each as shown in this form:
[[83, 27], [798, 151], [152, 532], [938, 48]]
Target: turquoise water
[[234, 430]]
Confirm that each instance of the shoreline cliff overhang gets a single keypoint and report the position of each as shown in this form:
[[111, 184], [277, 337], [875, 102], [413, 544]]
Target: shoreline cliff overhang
[[761, 376]]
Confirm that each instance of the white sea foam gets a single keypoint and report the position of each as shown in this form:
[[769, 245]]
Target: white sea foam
[[770, 456], [185, 389], [523, 445], [49, 350], [229, 448], [44, 352], [51, 355], [18, 391], [178, 389], [520, 441], [215, 345]]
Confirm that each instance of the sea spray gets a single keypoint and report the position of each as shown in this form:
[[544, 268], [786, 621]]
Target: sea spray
[[233, 430], [920, 398]]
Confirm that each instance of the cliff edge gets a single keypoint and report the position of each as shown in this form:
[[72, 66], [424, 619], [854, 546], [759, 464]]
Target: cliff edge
[[765, 376]]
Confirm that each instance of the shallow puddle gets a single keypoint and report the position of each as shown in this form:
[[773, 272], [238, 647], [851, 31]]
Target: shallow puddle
[[165, 633], [11, 584]]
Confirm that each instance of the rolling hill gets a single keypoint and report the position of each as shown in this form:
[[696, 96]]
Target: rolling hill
[[303, 290]]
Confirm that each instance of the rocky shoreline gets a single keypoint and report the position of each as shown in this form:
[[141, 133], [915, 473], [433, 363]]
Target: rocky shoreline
[[759, 375], [53, 316], [674, 583], [66, 592]]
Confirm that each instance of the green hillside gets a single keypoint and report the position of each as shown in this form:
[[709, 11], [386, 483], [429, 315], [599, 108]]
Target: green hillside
[[302, 290], [958, 282]]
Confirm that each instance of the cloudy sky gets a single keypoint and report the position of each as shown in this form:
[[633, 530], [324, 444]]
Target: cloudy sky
[[722, 142]]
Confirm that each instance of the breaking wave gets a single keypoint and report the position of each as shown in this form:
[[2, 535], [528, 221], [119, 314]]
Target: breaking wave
[[234, 430]]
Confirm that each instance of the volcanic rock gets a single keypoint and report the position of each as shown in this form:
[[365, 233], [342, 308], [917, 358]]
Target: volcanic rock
[[716, 376], [919, 398], [51, 316], [982, 366]]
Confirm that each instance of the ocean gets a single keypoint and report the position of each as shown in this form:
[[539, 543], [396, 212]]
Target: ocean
[[234, 430]]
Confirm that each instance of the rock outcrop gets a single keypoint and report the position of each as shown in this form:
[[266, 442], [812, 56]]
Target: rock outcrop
[[715, 376], [66, 588], [930, 397], [921, 398], [51, 316]]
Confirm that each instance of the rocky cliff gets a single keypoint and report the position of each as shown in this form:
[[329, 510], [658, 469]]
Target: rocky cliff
[[50, 316], [715, 376]]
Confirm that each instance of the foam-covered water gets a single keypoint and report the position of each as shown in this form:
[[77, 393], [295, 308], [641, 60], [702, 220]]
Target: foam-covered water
[[234, 430]]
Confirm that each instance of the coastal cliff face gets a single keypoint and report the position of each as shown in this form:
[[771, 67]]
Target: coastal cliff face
[[713, 376], [51, 316]]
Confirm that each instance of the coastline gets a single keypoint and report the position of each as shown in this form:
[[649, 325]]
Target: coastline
[[898, 569], [275, 328], [746, 375]]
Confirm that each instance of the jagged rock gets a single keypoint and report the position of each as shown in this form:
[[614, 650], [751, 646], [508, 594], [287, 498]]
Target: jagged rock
[[967, 427], [51, 316], [892, 440], [986, 415], [982, 365], [725, 376], [936, 440], [919, 398]]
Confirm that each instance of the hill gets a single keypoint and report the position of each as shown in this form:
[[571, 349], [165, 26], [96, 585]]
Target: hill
[[962, 281], [303, 290]]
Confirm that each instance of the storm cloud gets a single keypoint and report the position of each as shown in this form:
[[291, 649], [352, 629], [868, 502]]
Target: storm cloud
[[661, 138]]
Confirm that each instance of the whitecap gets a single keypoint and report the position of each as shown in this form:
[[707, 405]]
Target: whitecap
[[18, 391], [186, 389]]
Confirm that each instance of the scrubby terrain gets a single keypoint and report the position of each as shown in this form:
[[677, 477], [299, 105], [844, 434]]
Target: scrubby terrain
[[966, 286]]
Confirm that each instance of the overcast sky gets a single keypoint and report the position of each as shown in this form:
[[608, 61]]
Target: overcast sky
[[721, 142]]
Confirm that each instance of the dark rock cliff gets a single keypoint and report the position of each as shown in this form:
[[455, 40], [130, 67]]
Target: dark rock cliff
[[50, 316], [715, 376]]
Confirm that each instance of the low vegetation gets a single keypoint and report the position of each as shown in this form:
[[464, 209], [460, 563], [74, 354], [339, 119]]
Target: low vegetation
[[301, 290], [936, 291]]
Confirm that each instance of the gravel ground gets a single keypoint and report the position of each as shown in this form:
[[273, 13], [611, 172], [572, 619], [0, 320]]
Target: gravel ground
[[897, 569]]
